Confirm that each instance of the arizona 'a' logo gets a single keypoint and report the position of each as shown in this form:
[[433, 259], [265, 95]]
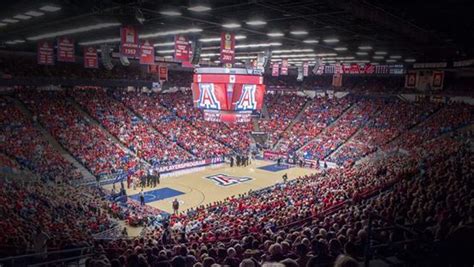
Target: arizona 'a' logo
[[247, 98], [227, 180], [207, 97]]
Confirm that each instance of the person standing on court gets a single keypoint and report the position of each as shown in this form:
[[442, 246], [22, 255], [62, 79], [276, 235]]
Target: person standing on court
[[175, 206], [142, 198], [231, 161], [158, 176], [285, 178]]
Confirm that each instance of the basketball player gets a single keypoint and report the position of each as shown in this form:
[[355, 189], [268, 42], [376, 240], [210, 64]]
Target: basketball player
[[175, 206]]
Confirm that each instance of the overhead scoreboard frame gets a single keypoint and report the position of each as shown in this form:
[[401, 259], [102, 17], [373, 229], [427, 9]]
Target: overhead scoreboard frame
[[227, 94]]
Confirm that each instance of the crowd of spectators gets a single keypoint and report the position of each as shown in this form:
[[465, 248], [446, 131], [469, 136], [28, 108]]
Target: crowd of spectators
[[131, 130], [282, 110], [86, 141], [21, 140], [340, 131], [393, 119], [321, 112]]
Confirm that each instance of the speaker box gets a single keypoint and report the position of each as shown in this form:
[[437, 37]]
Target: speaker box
[[105, 56], [196, 47]]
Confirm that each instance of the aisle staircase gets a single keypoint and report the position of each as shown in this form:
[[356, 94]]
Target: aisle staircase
[[295, 120], [327, 127], [112, 137], [88, 176]]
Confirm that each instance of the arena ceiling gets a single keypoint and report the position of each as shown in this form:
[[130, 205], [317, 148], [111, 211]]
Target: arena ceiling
[[342, 29]]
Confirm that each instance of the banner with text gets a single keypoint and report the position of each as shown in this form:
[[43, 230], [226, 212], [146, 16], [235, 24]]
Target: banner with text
[[147, 53], [163, 73], [227, 47], [66, 52], [275, 69], [91, 59], [284, 67], [181, 48], [45, 53], [128, 41], [305, 69]]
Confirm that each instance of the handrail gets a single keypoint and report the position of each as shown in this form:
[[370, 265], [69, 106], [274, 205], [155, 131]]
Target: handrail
[[44, 253], [60, 260]]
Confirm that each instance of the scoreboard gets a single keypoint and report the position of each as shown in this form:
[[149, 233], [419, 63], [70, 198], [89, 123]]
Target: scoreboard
[[228, 95]]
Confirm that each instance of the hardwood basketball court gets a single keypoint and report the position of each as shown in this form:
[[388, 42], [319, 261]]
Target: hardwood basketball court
[[214, 183]]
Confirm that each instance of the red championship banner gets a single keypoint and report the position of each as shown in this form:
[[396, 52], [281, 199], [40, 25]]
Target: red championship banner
[[275, 69], [337, 80], [227, 47], [181, 48], [284, 67], [410, 80], [152, 68], [305, 69], [355, 69], [163, 73], [438, 79], [147, 53], [45, 53], [91, 59], [65, 50], [128, 41]]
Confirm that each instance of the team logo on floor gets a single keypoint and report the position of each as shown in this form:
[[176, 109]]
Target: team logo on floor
[[227, 180]]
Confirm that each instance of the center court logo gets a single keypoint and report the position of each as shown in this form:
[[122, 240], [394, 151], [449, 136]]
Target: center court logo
[[227, 180]]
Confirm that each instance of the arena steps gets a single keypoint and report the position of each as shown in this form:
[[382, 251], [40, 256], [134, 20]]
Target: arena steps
[[112, 137], [296, 119], [327, 127], [88, 176]]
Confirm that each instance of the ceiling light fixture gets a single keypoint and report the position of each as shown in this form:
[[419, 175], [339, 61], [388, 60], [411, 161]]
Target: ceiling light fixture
[[365, 47], [165, 51], [10, 20], [331, 40], [256, 22], [380, 52], [390, 60], [275, 34], [22, 17], [292, 51], [218, 39], [340, 48], [73, 31], [171, 13], [50, 8], [231, 25], [311, 41], [395, 57], [163, 44], [410, 60], [34, 13], [257, 45], [362, 53], [301, 32], [377, 57]]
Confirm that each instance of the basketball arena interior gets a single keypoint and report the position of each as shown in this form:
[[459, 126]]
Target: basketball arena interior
[[241, 133]]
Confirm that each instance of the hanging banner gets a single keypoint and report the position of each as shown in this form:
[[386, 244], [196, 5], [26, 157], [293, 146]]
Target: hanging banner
[[275, 69], [338, 69], [305, 69], [45, 53], [91, 59], [163, 73], [438, 79], [284, 67], [147, 53], [66, 52], [227, 47], [382, 69], [153, 68], [128, 41], [410, 80], [181, 48], [337, 80]]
